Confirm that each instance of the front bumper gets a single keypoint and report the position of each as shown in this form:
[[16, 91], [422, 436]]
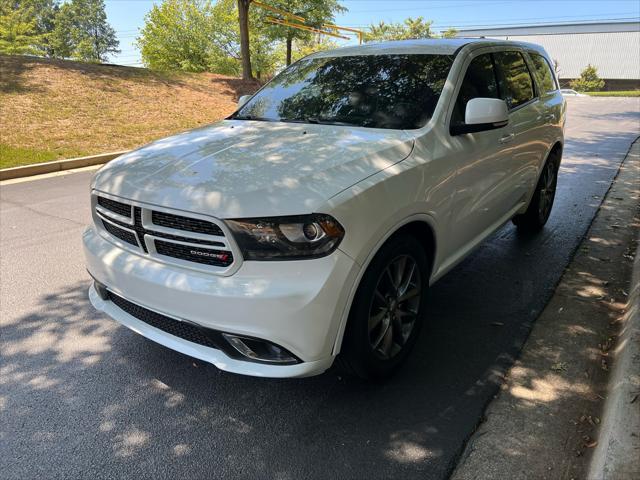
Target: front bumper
[[297, 305]]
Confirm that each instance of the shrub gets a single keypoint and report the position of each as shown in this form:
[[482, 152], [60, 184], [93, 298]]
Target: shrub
[[589, 80]]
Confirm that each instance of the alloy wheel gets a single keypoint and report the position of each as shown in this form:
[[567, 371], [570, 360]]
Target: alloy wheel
[[548, 190], [394, 307]]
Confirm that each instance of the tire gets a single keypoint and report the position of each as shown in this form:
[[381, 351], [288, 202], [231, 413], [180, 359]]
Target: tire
[[387, 314], [541, 204]]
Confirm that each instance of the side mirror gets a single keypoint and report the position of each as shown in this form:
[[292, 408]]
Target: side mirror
[[243, 99], [483, 114]]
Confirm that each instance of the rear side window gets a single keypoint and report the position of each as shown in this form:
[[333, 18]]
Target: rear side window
[[479, 81], [516, 84], [543, 70]]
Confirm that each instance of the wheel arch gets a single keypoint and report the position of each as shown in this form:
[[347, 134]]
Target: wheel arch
[[556, 149], [421, 226]]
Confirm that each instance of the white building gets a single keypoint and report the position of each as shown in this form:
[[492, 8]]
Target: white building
[[613, 47]]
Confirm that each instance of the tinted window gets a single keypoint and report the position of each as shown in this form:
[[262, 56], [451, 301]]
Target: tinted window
[[479, 81], [380, 91], [543, 70], [516, 85]]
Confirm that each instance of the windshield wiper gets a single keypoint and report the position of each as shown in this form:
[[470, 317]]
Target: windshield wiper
[[329, 121], [253, 117]]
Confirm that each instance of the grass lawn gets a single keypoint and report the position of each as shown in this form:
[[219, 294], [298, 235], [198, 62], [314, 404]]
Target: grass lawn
[[53, 109], [621, 93], [16, 156]]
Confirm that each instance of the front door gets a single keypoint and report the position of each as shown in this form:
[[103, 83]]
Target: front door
[[482, 194]]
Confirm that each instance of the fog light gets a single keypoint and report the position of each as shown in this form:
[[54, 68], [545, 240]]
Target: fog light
[[259, 350]]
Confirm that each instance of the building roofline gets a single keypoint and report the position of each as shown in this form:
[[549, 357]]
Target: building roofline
[[554, 28]]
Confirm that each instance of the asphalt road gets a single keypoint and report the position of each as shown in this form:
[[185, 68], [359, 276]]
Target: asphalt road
[[82, 397]]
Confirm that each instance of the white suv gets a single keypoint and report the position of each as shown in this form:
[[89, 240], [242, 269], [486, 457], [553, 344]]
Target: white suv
[[309, 224]]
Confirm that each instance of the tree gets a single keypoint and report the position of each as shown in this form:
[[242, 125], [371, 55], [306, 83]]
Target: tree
[[18, 29], [44, 13], [315, 12], [59, 40], [179, 35], [411, 28], [27, 24], [243, 22], [200, 35], [449, 33], [92, 35], [81, 31], [589, 80]]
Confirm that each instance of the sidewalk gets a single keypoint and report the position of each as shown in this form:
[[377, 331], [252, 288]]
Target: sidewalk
[[545, 422]]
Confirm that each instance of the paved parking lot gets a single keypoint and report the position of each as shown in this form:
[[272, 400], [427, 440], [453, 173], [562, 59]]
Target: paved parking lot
[[81, 396]]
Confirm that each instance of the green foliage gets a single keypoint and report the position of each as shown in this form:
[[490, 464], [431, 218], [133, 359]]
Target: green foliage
[[449, 33], [59, 40], [618, 93], [18, 29], [94, 38], [198, 36], [44, 12], [315, 12], [188, 35], [589, 80], [76, 29], [302, 48], [409, 29]]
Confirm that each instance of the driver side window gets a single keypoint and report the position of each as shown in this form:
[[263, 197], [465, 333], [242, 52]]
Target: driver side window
[[479, 81]]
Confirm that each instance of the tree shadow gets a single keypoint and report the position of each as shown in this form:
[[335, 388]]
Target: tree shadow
[[14, 70]]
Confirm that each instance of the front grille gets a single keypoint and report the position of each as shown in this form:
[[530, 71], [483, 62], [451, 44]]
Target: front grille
[[188, 224], [218, 258], [117, 232], [115, 207], [184, 330], [143, 226]]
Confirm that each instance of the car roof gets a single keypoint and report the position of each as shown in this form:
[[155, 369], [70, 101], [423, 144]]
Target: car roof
[[432, 46]]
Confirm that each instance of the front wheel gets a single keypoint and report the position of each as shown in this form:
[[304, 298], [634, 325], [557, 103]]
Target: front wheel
[[539, 209], [388, 310]]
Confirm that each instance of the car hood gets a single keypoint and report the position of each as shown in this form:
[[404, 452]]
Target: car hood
[[236, 169]]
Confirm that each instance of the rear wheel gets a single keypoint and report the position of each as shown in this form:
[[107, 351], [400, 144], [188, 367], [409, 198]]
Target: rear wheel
[[541, 204], [388, 310]]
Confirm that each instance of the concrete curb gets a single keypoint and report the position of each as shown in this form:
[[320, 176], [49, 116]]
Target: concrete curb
[[545, 423], [617, 455], [57, 165]]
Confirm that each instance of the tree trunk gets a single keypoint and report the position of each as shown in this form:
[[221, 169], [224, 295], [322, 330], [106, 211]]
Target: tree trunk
[[289, 42], [243, 18]]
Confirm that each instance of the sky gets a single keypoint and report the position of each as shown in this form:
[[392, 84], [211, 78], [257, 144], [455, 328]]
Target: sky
[[127, 16]]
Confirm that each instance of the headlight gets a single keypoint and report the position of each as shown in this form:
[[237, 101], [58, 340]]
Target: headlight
[[287, 238]]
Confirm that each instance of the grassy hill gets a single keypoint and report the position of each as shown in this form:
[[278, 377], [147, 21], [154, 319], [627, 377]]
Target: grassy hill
[[52, 109]]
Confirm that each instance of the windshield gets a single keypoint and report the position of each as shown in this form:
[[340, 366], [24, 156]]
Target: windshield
[[376, 91]]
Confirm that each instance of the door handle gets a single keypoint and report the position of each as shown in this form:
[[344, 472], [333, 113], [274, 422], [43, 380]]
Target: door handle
[[507, 138], [550, 117]]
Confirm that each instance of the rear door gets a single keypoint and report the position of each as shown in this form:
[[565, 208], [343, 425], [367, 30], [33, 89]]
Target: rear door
[[549, 104], [526, 118]]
